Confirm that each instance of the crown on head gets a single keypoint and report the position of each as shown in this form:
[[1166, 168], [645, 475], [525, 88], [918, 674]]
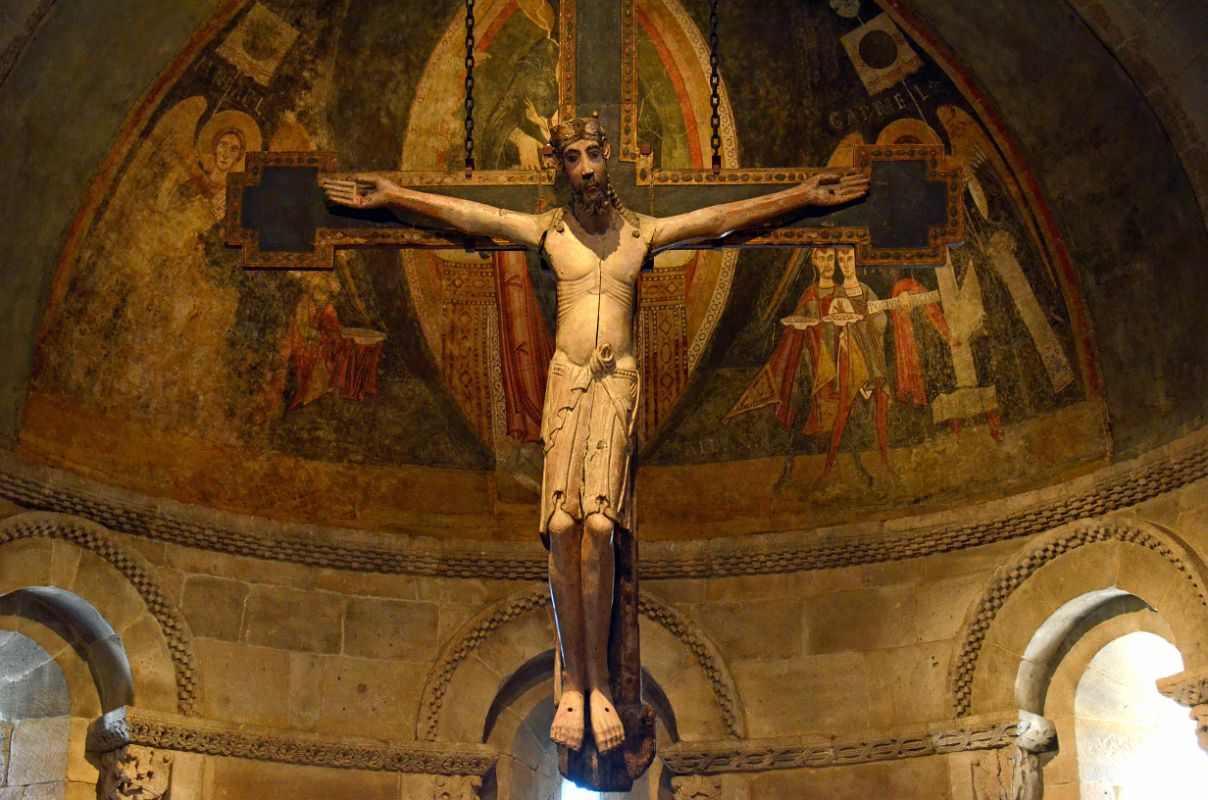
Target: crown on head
[[574, 129]]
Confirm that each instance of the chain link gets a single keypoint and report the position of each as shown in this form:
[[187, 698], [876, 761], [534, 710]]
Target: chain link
[[469, 87], [715, 87]]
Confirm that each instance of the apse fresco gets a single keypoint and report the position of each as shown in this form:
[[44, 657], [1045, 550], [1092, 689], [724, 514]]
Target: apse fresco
[[403, 390]]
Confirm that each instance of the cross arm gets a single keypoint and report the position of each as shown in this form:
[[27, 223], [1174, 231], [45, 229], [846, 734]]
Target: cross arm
[[717, 221], [369, 190]]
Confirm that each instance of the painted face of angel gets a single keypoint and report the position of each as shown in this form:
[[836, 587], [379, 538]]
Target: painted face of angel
[[585, 163], [847, 263], [228, 149]]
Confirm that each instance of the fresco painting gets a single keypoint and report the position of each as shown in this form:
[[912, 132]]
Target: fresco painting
[[404, 389]]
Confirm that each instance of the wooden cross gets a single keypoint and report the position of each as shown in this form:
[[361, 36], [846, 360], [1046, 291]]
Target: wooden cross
[[279, 216]]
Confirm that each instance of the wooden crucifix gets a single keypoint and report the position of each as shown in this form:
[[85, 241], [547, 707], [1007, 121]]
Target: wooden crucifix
[[596, 247]]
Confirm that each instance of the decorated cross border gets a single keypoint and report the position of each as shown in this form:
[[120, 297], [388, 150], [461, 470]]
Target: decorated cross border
[[279, 216]]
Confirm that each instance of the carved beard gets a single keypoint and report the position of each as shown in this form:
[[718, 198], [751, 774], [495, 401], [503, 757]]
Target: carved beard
[[592, 202]]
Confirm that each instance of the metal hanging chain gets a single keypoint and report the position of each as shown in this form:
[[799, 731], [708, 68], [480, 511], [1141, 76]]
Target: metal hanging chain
[[469, 88], [715, 87]]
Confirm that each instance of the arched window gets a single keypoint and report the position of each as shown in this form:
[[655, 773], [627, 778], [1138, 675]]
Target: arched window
[[1132, 742]]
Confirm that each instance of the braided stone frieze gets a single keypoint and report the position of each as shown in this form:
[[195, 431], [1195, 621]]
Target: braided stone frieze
[[706, 758], [212, 738], [480, 629], [1115, 487], [134, 568], [1024, 565]]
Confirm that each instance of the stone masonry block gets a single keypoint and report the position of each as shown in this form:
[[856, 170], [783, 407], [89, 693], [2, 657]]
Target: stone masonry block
[[214, 606], [39, 751], [395, 629], [290, 619]]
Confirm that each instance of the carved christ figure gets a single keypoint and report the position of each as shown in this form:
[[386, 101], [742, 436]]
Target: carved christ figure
[[596, 248]]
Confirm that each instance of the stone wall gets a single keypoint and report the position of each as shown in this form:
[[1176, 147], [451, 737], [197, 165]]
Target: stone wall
[[901, 673]]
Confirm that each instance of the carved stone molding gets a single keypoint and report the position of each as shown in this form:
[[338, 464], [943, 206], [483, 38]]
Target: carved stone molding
[[134, 773], [479, 629], [753, 755], [1041, 551], [213, 738], [135, 569], [707, 656], [1119, 486]]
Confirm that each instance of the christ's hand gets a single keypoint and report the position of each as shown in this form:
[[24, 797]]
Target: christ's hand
[[835, 188], [362, 191]]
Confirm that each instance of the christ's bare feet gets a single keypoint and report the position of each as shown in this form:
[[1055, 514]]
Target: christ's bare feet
[[567, 729], [606, 726]]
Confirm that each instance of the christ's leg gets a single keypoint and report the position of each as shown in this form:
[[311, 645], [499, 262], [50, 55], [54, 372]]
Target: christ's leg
[[567, 589], [598, 576]]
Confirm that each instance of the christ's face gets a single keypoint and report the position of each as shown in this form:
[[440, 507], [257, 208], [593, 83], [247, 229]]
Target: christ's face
[[585, 163], [228, 149]]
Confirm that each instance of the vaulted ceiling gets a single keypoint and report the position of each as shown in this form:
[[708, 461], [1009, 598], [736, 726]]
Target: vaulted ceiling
[[1067, 336]]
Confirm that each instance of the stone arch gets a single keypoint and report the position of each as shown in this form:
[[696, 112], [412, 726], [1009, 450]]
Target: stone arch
[[79, 625], [517, 726], [476, 662], [58, 551], [1062, 578]]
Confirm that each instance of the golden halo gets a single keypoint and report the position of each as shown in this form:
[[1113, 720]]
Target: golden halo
[[223, 121], [908, 131]]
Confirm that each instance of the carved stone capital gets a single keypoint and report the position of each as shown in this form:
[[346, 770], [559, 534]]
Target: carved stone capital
[[1188, 689], [134, 772], [697, 787], [457, 787], [108, 732], [1035, 734]]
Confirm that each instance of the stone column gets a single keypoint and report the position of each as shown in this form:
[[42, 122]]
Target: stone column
[[1035, 745], [1190, 689]]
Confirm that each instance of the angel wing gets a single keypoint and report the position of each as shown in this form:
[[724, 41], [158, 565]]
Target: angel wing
[[170, 150], [979, 155]]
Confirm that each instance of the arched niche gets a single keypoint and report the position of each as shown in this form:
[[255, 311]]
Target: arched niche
[[1059, 581], [683, 668], [1106, 711], [71, 576], [518, 723], [78, 624]]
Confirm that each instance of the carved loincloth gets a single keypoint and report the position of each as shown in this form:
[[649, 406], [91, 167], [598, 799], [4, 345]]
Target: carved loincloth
[[587, 431]]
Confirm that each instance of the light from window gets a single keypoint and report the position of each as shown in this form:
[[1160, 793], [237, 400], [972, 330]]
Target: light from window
[[1134, 744], [572, 792]]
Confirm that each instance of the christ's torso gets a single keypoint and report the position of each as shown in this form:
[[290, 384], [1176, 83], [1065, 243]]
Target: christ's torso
[[597, 282]]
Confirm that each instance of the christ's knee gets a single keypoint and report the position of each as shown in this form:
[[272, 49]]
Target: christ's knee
[[561, 529], [598, 528]]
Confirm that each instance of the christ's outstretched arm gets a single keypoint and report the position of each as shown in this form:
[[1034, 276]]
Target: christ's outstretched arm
[[713, 222], [467, 216]]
